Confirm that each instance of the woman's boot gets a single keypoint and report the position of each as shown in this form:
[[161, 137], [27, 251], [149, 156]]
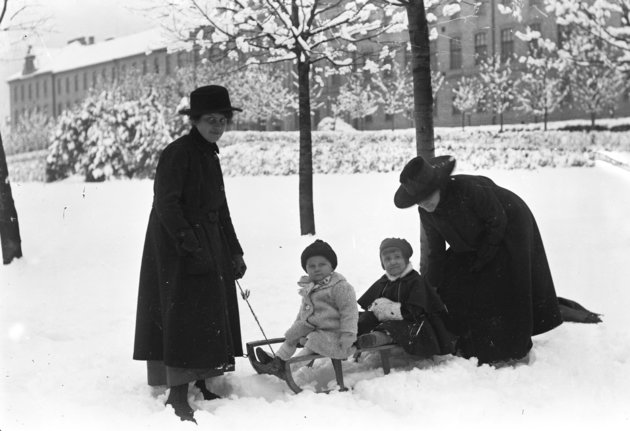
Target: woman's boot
[[178, 399]]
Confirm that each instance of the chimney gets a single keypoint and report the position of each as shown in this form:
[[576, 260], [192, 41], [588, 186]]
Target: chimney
[[29, 62]]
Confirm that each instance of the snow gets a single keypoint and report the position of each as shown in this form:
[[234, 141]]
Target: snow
[[67, 311]]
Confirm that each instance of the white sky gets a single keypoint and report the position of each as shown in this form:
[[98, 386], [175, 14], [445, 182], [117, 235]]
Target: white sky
[[68, 19]]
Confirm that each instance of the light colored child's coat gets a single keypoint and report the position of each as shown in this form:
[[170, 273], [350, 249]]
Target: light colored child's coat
[[327, 311]]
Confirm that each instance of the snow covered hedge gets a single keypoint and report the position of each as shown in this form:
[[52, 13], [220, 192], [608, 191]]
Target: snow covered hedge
[[277, 153], [109, 140]]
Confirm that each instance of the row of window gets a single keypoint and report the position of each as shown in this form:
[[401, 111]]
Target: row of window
[[82, 81], [481, 47]]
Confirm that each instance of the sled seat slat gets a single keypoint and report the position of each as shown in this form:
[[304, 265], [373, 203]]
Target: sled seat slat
[[384, 351]]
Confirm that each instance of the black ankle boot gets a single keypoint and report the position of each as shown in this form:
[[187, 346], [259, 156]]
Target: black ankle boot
[[207, 395], [178, 399]]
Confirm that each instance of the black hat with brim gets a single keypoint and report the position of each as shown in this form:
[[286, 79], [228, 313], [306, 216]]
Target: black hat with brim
[[419, 178], [209, 99]]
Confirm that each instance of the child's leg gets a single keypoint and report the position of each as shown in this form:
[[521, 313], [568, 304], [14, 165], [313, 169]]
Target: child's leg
[[374, 339], [286, 350], [367, 322]]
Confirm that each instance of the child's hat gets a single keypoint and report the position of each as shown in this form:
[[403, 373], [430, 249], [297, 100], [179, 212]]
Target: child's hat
[[319, 248], [399, 243]]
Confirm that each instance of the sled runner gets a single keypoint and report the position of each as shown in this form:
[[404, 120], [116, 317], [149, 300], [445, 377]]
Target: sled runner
[[287, 375]]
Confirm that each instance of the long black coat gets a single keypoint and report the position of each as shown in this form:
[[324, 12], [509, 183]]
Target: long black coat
[[499, 308], [422, 331], [187, 312]]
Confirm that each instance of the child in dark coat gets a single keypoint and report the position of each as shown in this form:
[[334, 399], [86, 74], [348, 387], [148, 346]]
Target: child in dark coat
[[402, 308]]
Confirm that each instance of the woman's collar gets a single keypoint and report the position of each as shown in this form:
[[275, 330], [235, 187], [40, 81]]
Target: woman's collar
[[406, 271]]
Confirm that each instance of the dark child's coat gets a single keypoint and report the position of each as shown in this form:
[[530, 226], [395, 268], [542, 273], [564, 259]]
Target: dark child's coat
[[422, 331], [187, 313], [498, 308]]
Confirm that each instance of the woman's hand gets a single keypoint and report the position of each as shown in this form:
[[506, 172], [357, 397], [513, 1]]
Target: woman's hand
[[346, 340], [239, 266]]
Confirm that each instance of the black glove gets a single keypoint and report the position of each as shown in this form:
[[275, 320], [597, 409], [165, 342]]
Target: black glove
[[239, 266], [486, 253], [187, 242]]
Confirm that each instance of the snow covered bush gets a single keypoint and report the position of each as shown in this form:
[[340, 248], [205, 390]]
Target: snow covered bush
[[109, 136]]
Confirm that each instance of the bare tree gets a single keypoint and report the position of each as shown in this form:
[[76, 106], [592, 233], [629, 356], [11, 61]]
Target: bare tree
[[498, 82], [9, 225], [468, 94], [303, 32]]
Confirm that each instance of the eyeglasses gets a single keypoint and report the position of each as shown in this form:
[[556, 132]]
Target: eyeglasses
[[214, 121]]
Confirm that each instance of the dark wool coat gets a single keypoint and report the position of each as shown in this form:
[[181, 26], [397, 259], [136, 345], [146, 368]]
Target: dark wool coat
[[422, 331], [187, 312], [499, 308]]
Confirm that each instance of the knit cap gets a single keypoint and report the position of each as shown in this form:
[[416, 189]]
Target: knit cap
[[399, 243], [319, 248]]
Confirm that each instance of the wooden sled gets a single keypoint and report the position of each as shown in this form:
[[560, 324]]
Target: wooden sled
[[287, 375]]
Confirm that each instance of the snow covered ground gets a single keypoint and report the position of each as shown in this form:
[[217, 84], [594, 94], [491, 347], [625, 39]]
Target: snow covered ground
[[67, 312]]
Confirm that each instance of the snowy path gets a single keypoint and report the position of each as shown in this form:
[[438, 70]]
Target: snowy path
[[67, 311]]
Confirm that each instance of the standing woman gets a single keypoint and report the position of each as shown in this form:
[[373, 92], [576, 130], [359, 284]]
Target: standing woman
[[494, 277], [187, 322]]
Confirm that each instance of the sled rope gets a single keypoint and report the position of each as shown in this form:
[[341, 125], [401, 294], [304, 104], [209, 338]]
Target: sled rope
[[245, 295]]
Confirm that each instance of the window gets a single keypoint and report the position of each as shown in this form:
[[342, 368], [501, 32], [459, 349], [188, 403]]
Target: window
[[167, 65], [433, 52], [507, 44], [15, 93], [113, 73], [37, 90], [45, 88], [144, 67], [454, 109], [156, 65], [59, 109], [30, 91], [67, 84], [561, 35], [94, 78], [533, 44], [85, 81], [456, 53], [480, 8], [22, 92], [76, 82], [58, 85], [481, 47]]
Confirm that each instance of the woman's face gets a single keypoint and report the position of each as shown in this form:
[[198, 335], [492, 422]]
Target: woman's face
[[318, 268], [430, 203], [211, 126], [393, 261]]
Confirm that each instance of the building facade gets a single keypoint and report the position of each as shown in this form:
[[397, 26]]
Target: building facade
[[54, 81]]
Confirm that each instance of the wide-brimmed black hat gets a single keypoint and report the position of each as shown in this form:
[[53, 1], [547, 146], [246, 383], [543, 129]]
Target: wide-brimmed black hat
[[209, 99], [419, 178]]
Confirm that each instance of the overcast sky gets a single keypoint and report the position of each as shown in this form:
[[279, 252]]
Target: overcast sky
[[67, 19]]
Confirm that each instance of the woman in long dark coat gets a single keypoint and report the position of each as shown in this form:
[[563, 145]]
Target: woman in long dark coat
[[187, 324], [494, 277]]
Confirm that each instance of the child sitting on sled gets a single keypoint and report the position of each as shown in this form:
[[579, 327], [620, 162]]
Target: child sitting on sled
[[402, 308], [327, 320]]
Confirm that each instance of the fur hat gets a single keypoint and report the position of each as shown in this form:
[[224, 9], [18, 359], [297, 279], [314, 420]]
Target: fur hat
[[319, 248], [209, 99], [419, 178], [398, 243]]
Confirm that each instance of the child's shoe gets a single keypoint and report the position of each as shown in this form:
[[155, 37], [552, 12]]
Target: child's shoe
[[263, 357], [374, 339]]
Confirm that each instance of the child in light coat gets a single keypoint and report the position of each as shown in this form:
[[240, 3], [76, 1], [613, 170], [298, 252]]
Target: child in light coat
[[326, 323], [402, 308]]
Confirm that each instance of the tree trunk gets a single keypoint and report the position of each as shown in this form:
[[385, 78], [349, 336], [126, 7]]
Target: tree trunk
[[501, 122], [421, 72], [592, 119], [545, 118], [463, 120], [9, 226], [307, 215]]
